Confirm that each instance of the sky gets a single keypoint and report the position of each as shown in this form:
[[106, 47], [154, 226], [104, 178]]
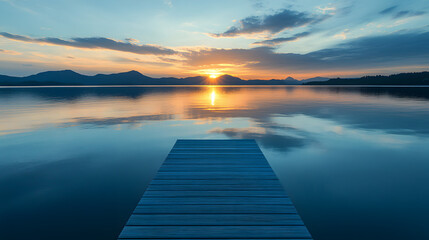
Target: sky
[[251, 39]]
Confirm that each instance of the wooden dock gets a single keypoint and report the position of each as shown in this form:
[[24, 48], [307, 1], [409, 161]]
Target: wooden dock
[[215, 189]]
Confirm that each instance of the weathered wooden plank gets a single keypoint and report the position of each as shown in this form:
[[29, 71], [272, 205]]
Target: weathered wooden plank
[[208, 176], [216, 145], [234, 163], [216, 173], [212, 187], [233, 144], [212, 169], [240, 182], [214, 232], [219, 209], [216, 151], [216, 156], [214, 219], [214, 200], [227, 163], [169, 194]]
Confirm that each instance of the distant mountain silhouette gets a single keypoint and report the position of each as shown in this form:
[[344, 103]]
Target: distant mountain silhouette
[[69, 77], [315, 79], [419, 78]]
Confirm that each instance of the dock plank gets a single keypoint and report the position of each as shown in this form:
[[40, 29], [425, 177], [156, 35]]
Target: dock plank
[[213, 169], [212, 187], [186, 193], [215, 189], [247, 156], [241, 182], [214, 232], [214, 200], [213, 220], [213, 208]]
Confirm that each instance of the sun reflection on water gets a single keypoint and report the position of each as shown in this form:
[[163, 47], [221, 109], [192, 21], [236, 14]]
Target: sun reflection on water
[[213, 97]]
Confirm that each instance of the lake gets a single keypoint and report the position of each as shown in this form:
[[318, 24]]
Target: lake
[[74, 161]]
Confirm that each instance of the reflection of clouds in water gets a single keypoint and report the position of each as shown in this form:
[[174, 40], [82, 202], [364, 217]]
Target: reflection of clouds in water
[[392, 110], [267, 138], [376, 115], [269, 124], [134, 120]]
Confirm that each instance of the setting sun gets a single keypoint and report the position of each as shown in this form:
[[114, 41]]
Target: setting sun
[[213, 76]]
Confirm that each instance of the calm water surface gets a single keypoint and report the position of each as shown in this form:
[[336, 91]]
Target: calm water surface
[[75, 160]]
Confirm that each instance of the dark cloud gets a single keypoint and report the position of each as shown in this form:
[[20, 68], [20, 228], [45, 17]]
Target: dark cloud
[[276, 41], [400, 14], [388, 10], [285, 19], [392, 49], [95, 43], [398, 49]]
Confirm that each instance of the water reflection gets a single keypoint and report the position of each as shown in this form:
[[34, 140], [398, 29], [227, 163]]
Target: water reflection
[[77, 159], [267, 138], [213, 96]]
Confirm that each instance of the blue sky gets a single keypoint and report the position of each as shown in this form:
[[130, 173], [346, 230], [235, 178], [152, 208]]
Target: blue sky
[[250, 39]]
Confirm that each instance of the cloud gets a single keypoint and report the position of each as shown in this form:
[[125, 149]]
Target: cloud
[[139, 61], [276, 41], [10, 52], [400, 14], [95, 43], [275, 23], [343, 34], [388, 10], [397, 49], [132, 40], [327, 10]]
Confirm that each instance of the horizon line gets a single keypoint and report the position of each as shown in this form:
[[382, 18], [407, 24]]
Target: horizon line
[[206, 76]]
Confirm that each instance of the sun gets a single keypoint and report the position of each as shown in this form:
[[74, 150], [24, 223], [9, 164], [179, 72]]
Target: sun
[[213, 76]]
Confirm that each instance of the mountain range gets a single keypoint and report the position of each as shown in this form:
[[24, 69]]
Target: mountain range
[[69, 77], [417, 78]]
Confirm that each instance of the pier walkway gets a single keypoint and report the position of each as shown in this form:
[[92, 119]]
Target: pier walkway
[[215, 189]]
